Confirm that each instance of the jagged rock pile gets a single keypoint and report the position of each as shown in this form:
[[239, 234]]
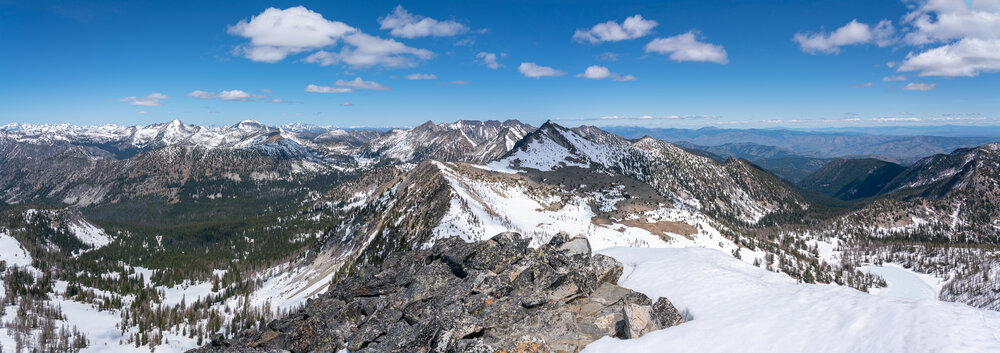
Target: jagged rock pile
[[491, 296]]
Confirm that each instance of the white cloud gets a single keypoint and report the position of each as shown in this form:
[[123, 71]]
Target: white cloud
[[402, 23], [417, 76], [202, 94], [884, 120], [597, 72], [609, 56], [967, 57], [143, 112], [686, 47], [150, 100], [633, 27], [233, 95], [894, 78], [646, 117], [358, 83], [489, 59], [346, 104], [853, 33], [951, 118], [940, 21], [535, 71], [459, 82], [916, 86], [327, 89], [274, 34], [860, 85], [363, 50]]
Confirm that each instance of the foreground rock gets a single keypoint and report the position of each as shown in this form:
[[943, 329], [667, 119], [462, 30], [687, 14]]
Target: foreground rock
[[492, 296]]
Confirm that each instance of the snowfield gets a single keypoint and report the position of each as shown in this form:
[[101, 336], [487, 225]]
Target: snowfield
[[12, 252], [737, 307]]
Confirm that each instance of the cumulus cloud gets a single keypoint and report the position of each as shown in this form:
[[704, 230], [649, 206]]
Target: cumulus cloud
[[275, 34], [418, 76], [404, 24], [894, 78], [853, 33], [533, 70], [358, 84], [150, 100], [686, 47], [489, 59], [597, 72], [363, 50], [611, 31], [916, 86], [967, 57], [327, 89], [232, 95], [940, 21]]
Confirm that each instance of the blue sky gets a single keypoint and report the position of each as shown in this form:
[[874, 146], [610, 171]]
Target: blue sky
[[679, 63]]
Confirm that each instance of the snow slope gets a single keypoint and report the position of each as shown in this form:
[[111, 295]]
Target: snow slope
[[11, 251], [904, 283], [740, 308]]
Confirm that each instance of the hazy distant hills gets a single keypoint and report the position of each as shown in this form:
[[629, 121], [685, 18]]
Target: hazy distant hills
[[784, 163], [893, 148]]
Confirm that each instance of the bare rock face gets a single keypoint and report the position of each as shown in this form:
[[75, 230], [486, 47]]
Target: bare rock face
[[492, 296]]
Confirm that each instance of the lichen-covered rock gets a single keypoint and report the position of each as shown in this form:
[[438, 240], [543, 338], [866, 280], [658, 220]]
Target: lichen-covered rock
[[492, 296]]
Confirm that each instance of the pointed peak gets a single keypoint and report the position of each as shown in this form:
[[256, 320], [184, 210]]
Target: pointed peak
[[551, 125], [426, 126]]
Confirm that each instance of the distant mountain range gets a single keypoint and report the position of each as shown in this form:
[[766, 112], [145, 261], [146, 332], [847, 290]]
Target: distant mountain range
[[189, 230], [825, 144]]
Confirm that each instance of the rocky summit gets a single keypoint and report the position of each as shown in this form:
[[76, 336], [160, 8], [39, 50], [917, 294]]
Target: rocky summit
[[498, 295]]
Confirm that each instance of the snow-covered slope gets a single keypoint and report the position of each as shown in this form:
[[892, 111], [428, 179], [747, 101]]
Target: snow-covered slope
[[739, 308], [469, 141], [11, 251], [736, 190], [609, 213]]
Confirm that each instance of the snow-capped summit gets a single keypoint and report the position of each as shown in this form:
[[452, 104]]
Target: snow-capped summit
[[250, 125]]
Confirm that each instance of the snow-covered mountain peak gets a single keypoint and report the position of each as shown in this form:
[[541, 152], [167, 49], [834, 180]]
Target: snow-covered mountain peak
[[250, 125]]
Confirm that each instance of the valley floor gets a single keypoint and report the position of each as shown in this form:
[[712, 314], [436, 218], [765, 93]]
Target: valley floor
[[737, 307]]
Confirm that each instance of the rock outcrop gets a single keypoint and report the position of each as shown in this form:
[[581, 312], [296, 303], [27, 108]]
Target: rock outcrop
[[497, 295]]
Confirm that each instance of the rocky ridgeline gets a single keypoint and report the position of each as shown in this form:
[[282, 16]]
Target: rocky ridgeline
[[491, 296]]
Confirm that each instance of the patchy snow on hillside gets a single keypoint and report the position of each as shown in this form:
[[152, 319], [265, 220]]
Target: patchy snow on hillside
[[740, 308], [543, 154], [89, 234], [483, 207]]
